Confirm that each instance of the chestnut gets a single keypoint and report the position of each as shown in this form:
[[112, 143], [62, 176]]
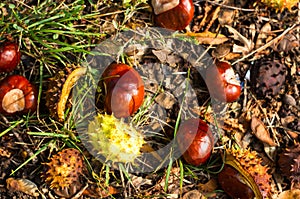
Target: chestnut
[[10, 57], [124, 90], [222, 82], [232, 183], [17, 94], [195, 141], [173, 14]]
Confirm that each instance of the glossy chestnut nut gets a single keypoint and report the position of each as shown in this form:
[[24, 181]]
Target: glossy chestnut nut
[[173, 14], [124, 90], [195, 141], [17, 95], [222, 82], [232, 183], [10, 57]]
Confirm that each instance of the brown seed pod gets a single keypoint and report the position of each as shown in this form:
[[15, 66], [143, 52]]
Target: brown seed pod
[[248, 164], [268, 77], [289, 164], [64, 169], [59, 88]]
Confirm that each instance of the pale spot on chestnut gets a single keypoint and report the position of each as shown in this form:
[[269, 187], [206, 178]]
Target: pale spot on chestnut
[[160, 6], [230, 77], [13, 101]]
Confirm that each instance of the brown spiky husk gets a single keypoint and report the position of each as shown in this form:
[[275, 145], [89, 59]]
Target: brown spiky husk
[[289, 164], [252, 164], [64, 169], [54, 89]]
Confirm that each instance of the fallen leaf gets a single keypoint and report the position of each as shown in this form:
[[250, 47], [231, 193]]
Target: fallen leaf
[[138, 181], [248, 44], [210, 186], [22, 185], [259, 130], [208, 37], [264, 34]]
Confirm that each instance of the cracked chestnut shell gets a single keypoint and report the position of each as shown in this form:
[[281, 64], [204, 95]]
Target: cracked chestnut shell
[[10, 57], [124, 90], [222, 82], [17, 95], [195, 141], [173, 14]]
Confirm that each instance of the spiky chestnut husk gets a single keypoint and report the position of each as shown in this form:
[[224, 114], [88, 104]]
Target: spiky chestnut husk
[[251, 163], [64, 169], [54, 89], [60, 86], [114, 139], [289, 164], [280, 5]]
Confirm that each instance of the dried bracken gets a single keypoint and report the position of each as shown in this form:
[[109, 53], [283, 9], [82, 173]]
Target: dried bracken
[[114, 139], [64, 169], [289, 164], [268, 77], [249, 165]]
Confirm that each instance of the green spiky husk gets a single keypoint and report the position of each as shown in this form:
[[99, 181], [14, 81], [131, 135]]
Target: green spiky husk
[[114, 139]]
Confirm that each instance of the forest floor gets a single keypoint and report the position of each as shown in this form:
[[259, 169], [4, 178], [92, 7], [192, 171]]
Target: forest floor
[[48, 153]]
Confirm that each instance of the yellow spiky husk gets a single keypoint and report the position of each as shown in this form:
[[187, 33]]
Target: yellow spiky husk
[[280, 5], [251, 163], [114, 139], [64, 168]]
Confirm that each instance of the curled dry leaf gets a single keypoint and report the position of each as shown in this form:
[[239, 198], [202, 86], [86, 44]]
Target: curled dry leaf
[[22, 185], [259, 130], [248, 44]]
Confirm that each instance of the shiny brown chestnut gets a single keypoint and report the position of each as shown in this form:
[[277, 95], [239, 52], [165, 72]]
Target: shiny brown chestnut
[[124, 90], [195, 141], [232, 183], [173, 14], [222, 82], [17, 95], [10, 57]]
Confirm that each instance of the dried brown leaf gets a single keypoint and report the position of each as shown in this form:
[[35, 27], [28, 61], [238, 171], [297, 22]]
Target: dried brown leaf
[[208, 38], [22, 185], [248, 44], [264, 34], [210, 186], [259, 130]]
